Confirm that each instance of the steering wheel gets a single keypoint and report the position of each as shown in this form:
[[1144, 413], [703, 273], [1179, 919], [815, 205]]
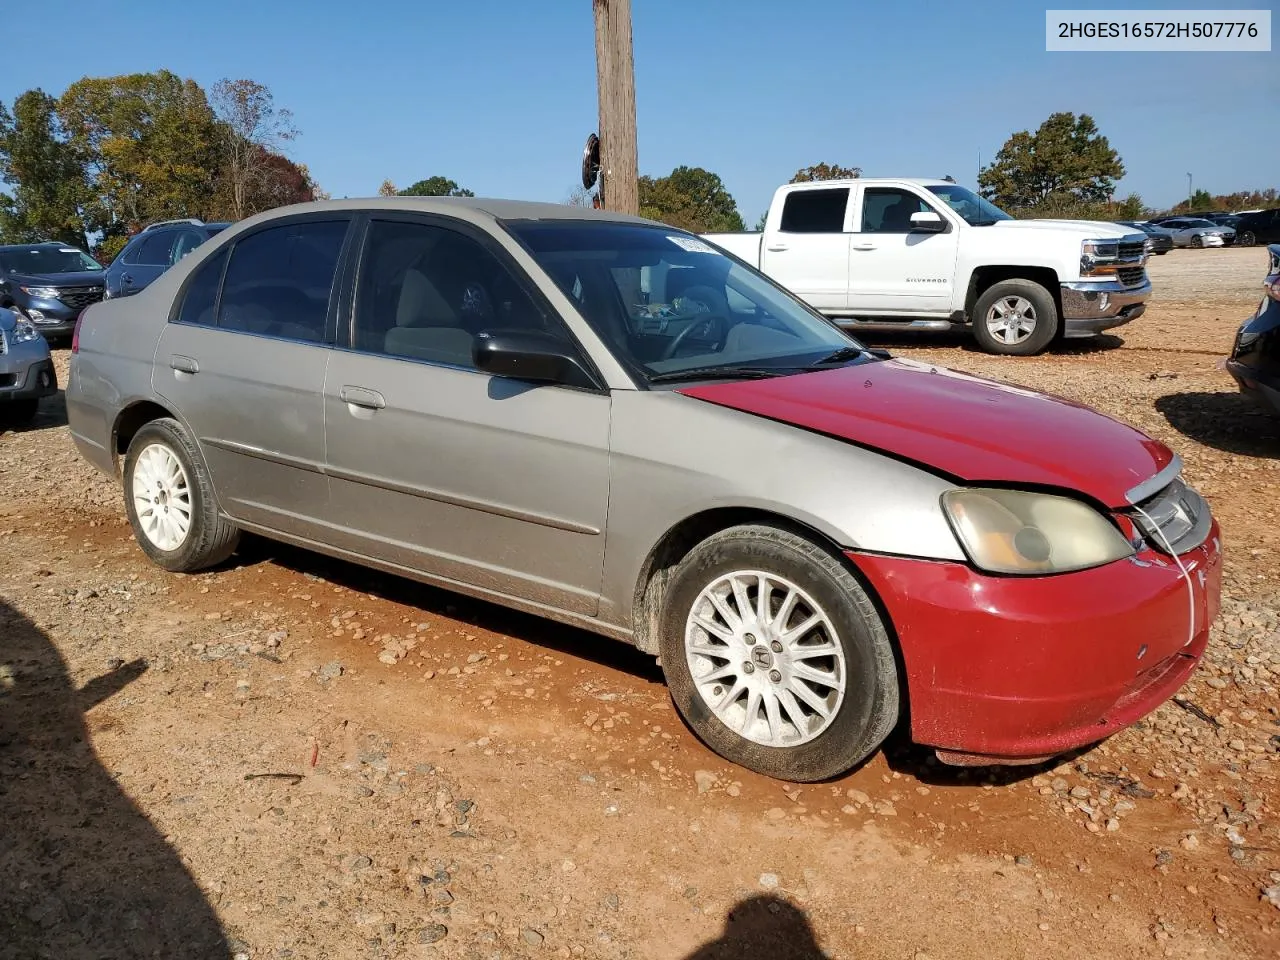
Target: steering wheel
[[714, 322]]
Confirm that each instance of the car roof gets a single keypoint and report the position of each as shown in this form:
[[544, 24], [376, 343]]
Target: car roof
[[42, 243], [469, 207]]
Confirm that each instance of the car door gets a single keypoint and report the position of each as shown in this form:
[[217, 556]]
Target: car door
[[436, 467], [243, 362], [893, 269], [149, 261], [808, 252]]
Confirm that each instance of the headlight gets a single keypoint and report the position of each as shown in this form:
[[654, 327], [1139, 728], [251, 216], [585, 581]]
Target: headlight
[[1097, 257], [1012, 531], [23, 332], [42, 293]]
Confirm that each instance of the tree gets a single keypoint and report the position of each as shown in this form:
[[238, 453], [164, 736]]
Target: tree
[[253, 130], [580, 197], [388, 189], [47, 177], [1065, 162], [435, 187], [826, 171], [1240, 200], [277, 182], [690, 198]]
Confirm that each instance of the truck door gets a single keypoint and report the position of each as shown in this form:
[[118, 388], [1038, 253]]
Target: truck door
[[807, 250], [893, 270]]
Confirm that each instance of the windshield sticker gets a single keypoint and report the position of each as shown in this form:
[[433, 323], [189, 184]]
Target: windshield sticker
[[690, 244], [68, 250]]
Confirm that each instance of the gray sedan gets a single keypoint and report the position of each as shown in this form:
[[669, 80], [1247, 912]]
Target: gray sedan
[[612, 423], [1194, 232], [26, 370]]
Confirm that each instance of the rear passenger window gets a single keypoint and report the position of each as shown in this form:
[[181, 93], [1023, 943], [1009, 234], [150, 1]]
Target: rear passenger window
[[279, 280], [154, 249], [200, 301], [815, 211]]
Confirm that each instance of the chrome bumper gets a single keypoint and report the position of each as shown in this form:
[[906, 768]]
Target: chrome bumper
[[1089, 308]]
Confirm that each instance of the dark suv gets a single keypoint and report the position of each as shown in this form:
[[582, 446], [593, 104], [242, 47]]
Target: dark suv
[[153, 251], [48, 284], [1260, 227]]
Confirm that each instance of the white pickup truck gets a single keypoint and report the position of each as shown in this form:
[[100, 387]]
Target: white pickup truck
[[933, 255]]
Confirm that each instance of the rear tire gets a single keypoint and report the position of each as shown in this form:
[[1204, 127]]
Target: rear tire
[[842, 666], [170, 500], [18, 414], [1016, 318]]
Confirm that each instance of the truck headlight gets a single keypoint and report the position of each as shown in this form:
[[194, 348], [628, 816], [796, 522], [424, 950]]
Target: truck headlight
[[42, 293], [23, 332], [1098, 257], [1014, 531]]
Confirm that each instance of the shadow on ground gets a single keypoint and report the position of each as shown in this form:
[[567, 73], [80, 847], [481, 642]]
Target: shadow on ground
[[84, 875], [1226, 421], [925, 339], [763, 926]]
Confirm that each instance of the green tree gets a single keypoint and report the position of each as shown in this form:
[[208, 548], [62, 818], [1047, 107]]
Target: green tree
[[1065, 162], [690, 198], [43, 170], [436, 187], [151, 145], [826, 171]]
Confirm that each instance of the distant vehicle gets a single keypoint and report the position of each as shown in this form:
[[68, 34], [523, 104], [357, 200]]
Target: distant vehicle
[[153, 251], [1159, 240], [48, 284], [1255, 355], [26, 370], [1194, 232], [533, 404], [932, 255], [1260, 226]]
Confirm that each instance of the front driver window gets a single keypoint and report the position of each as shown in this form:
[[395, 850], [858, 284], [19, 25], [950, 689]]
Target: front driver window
[[889, 210]]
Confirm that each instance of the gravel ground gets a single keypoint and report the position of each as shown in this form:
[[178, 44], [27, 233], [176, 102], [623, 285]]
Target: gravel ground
[[293, 757]]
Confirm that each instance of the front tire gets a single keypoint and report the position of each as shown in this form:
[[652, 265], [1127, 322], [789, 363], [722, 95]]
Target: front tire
[[776, 657], [1197, 241], [1016, 318], [1246, 239], [170, 501]]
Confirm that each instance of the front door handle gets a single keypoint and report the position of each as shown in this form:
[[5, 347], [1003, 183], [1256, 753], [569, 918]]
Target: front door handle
[[864, 246], [126, 278], [777, 247], [363, 397], [181, 364]]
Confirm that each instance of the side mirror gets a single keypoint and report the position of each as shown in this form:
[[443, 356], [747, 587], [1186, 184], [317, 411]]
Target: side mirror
[[529, 355], [926, 221]]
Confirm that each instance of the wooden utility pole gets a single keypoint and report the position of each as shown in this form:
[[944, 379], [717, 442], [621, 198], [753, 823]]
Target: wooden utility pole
[[616, 83]]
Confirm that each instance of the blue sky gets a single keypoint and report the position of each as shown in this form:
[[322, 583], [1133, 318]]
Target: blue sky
[[500, 95]]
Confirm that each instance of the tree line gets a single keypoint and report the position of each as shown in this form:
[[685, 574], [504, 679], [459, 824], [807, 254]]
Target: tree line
[[112, 154]]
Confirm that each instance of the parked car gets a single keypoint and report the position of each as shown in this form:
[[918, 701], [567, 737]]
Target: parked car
[[1262, 226], [608, 422], [1255, 356], [153, 251], [26, 370], [1159, 240], [49, 283], [932, 255], [1193, 232]]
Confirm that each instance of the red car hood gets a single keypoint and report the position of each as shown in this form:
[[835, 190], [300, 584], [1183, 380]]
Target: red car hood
[[974, 429]]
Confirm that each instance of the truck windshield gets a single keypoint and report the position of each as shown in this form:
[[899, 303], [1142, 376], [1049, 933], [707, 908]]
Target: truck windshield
[[671, 306], [976, 211]]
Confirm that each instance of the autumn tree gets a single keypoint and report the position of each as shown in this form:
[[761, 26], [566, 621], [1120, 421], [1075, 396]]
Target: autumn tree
[[436, 186], [388, 189], [826, 171], [254, 130], [690, 198], [44, 172], [1065, 163]]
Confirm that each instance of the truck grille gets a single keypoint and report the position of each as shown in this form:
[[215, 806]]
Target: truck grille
[[1131, 276], [77, 298], [1132, 250], [4, 344], [1176, 517]]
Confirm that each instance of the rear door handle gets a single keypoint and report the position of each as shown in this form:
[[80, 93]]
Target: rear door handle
[[181, 364], [864, 246], [126, 278], [363, 397]]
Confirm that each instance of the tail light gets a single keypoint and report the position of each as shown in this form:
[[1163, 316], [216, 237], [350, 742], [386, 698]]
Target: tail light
[[75, 334]]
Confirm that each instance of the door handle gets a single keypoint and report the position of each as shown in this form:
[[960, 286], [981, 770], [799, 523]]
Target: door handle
[[777, 247], [864, 246], [126, 278], [363, 397], [181, 364]]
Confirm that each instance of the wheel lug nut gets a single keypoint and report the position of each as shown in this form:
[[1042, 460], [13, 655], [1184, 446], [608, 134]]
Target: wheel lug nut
[[748, 668], [776, 646], [750, 638], [775, 676]]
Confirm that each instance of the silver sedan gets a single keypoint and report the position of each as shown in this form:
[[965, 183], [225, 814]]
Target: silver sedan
[[1194, 232]]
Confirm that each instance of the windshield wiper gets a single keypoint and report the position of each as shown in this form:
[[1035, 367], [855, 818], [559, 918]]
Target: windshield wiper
[[840, 356], [720, 373]]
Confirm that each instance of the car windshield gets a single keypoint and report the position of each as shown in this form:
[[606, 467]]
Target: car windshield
[[38, 260], [976, 211], [1199, 223], [671, 306]]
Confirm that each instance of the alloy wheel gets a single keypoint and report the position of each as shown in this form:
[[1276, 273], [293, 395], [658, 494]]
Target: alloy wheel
[[1012, 320], [162, 497]]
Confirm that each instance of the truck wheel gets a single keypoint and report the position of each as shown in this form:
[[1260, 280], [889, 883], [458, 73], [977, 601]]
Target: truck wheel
[[776, 656], [1015, 317], [170, 502]]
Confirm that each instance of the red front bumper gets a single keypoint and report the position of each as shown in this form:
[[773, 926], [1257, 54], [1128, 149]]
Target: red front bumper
[[1016, 667]]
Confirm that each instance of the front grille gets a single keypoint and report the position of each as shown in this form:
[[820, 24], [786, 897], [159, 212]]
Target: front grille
[[4, 344], [77, 298], [1177, 517], [1131, 276], [1133, 250]]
